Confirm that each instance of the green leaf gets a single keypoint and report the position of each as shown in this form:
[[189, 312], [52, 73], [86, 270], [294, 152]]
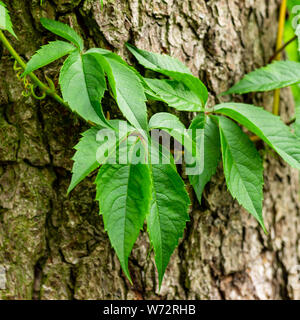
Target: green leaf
[[210, 155], [47, 54], [83, 84], [266, 126], [243, 168], [5, 22], [124, 193], [108, 54], [168, 215], [165, 120], [277, 75], [172, 68], [158, 62], [175, 128], [175, 94], [87, 158], [126, 86], [129, 93], [64, 31], [170, 124]]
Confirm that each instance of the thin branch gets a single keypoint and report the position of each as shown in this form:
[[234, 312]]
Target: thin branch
[[291, 121], [282, 48]]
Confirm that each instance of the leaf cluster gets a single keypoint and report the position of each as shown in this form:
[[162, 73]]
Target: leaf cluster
[[132, 192]]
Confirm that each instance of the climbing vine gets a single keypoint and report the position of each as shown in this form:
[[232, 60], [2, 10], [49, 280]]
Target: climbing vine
[[137, 177]]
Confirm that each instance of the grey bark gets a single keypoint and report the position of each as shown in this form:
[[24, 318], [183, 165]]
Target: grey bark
[[53, 246]]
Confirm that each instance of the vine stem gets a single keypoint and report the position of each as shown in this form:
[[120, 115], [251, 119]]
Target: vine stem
[[291, 121], [281, 23], [33, 77], [282, 48]]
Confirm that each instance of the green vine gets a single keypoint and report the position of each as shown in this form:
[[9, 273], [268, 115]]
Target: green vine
[[43, 87], [137, 177]]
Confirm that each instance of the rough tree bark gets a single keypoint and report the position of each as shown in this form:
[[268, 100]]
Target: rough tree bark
[[54, 247]]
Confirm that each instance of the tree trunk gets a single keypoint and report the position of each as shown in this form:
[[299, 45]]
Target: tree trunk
[[53, 246]]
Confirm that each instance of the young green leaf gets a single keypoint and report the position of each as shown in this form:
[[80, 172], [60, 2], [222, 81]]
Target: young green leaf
[[5, 22], [210, 154], [64, 31], [175, 128], [126, 86], [165, 120], [172, 68], [124, 194], [168, 215], [277, 75], [170, 124], [83, 84], [175, 94], [266, 126], [243, 168], [47, 54]]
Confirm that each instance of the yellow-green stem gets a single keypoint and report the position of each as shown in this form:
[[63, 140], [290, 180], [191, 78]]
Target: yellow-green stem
[[33, 77], [278, 56]]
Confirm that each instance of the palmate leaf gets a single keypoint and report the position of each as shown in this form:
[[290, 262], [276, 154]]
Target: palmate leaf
[[172, 68], [168, 215], [126, 86], [83, 84], [243, 168], [5, 22], [124, 194], [175, 94], [64, 31], [47, 54], [211, 153], [277, 75], [266, 126]]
